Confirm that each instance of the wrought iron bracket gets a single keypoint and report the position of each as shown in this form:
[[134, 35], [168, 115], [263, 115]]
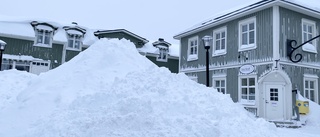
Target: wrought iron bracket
[[291, 47]]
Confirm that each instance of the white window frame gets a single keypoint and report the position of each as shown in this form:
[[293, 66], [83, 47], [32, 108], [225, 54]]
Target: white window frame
[[74, 38], [243, 101], [312, 46], [163, 52], [220, 51], [194, 56], [309, 78], [220, 78], [249, 46], [43, 35]]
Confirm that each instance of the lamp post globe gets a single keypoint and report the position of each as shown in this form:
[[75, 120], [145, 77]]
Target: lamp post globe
[[207, 42]]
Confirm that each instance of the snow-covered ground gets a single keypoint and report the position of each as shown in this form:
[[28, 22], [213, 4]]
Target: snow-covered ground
[[110, 90]]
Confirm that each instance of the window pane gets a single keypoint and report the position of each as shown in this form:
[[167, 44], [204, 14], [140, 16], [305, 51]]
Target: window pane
[[77, 45], [305, 37], [217, 83], [311, 84], [195, 50], [251, 26], [251, 37], [244, 39], [244, 28], [304, 27], [244, 82], [70, 43], [191, 43], [251, 82], [223, 84], [312, 95], [244, 91], [191, 51], [310, 29], [223, 90], [39, 39], [223, 44], [47, 40], [218, 45], [306, 84], [196, 42], [218, 36], [251, 97], [251, 91], [307, 94], [223, 34]]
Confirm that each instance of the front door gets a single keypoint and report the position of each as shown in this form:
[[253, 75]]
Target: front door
[[274, 102]]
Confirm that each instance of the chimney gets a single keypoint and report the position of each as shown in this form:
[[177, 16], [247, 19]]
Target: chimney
[[161, 39]]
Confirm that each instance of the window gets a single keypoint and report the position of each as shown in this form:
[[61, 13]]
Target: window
[[43, 38], [247, 34], [247, 89], [219, 41], [162, 54], [220, 84], [74, 41], [308, 32], [311, 88], [193, 48]]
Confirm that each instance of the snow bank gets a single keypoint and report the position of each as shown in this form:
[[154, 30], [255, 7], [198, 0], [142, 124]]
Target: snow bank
[[111, 90]]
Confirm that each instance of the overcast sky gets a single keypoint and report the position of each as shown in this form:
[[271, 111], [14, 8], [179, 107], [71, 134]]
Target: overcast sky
[[150, 19]]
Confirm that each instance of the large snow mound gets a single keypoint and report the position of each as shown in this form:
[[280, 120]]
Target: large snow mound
[[111, 90]]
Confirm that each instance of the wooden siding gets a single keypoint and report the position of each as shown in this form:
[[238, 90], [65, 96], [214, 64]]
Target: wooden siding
[[296, 75], [290, 24], [71, 54], [171, 64], [264, 50], [25, 47], [121, 35]]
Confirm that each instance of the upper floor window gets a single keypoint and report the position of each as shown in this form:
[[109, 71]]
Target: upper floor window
[[309, 32], [311, 88], [163, 52], [247, 90], [74, 41], [247, 34], [219, 41], [193, 48], [43, 38]]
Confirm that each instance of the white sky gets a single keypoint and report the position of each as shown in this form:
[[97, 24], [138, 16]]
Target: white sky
[[148, 18]]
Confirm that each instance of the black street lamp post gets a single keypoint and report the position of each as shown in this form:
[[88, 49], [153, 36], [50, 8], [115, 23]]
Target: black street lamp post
[[2, 47], [207, 43]]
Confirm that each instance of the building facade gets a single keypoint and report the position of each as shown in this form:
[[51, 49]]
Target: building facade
[[249, 56]]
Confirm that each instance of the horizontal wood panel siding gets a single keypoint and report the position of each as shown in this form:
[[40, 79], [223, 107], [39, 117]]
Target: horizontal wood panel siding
[[296, 75], [25, 47], [71, 54], [291, 28], [263, 52], [171, 64]]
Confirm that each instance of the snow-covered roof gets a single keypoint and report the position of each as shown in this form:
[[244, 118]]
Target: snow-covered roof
[[121, 30], [23, 28], [174, 49], [310, 6]]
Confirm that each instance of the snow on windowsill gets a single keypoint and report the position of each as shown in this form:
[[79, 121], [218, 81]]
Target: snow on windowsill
[[219, 52], [192, 57], [247, 47], [309, 48], [73, 49], [42, 45]]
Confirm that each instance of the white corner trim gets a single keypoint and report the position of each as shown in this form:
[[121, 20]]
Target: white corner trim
[[276, 33]]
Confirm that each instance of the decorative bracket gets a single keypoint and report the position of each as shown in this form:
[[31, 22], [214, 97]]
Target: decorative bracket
[[291, 47]]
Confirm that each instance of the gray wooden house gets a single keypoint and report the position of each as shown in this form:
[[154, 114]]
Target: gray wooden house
[[249, 56], [38, 46], [159, 52]]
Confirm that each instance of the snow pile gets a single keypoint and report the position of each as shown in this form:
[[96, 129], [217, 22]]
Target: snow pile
[[111, 90]]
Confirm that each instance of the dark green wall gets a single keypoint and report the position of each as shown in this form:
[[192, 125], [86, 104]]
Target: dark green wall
[[25, 47], [172, 64]]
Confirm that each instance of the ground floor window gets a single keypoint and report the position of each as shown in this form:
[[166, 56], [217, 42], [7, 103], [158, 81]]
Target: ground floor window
[[247, 89], [311, 88], [220, 84]]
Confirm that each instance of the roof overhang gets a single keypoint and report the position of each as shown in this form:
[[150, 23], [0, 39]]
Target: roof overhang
[[121, 30], [258, 6]]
